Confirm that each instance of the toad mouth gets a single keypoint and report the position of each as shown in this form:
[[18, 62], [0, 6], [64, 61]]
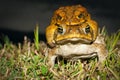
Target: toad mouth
[[74, 41]]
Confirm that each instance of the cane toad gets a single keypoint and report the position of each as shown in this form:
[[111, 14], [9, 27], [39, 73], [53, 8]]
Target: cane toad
[[72, 34]]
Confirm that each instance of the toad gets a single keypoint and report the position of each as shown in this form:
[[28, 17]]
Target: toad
[[73, 34]]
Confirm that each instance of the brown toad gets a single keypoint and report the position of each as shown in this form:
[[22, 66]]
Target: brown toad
[[72, 34]]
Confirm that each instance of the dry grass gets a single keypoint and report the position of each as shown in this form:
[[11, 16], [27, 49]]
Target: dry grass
[[25, 61]]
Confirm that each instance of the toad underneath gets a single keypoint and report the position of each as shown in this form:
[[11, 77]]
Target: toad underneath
[[73, 34]]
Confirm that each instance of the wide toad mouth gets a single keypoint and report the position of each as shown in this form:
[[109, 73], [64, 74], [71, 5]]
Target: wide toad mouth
[[74, 38], [73, 41]]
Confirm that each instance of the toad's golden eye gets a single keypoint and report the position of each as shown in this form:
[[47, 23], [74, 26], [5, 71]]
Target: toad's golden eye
[[87, 29], [59, 29]]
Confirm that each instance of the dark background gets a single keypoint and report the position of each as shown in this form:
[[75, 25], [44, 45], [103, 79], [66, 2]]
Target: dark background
[[19, 17]]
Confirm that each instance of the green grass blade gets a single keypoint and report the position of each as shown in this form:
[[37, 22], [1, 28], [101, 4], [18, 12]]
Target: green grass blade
[[36, 35]]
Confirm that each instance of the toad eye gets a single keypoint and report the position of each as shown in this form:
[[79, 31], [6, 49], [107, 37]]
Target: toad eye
[[59, 29], [87, 29]]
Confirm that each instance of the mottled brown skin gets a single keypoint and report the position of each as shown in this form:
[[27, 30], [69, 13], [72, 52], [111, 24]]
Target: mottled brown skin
[[72, 34], [71, 22]]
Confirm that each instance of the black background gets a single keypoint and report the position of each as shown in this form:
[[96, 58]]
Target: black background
[[19, 17]]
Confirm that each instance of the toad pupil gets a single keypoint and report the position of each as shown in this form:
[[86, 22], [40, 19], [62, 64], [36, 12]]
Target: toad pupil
[[87, 29], [60, 29]]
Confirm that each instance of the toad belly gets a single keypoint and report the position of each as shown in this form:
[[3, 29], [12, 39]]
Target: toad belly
[[76, 51]]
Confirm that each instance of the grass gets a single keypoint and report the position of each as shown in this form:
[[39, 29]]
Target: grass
[[36, 39], [24, 61]]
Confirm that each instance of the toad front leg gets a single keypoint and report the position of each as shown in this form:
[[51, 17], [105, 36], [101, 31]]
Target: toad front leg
[[52, 54]]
